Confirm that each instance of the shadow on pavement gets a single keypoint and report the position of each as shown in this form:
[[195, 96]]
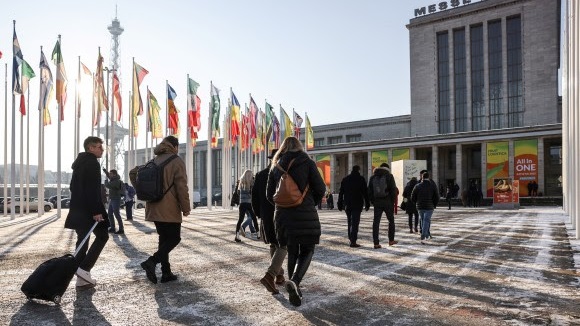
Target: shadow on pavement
[[30, 310], [85, 312]]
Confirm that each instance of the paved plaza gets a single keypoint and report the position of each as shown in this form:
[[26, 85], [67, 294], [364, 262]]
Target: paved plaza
[[482, 267]]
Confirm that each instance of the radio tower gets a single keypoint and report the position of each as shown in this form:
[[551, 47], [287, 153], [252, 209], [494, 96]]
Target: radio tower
[[117, 131]]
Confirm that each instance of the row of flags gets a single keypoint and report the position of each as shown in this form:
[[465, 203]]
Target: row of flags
[[253, 128]]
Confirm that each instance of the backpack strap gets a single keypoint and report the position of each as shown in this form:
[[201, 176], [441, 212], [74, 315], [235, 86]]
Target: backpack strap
[[163, 164], [288, 169]]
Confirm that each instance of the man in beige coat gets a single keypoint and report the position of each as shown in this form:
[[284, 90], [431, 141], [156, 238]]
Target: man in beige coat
[[167, 213]]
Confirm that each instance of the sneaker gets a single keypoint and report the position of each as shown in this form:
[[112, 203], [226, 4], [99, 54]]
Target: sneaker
[[354, 245], [280, 279], [85, 276], [392, 243], [83, 285], [149, 267], [254, 236], [168, 277], [268, 282], [378, 246], [294, 295]]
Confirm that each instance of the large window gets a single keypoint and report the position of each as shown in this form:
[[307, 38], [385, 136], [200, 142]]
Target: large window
[[353, 138], [477, 79], [460, 80], [443, 82], [318, 142], [334, 140], [514, 72], [495, 74]]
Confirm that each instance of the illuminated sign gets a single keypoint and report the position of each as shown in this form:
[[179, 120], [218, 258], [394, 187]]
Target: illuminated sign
[[441, 6]]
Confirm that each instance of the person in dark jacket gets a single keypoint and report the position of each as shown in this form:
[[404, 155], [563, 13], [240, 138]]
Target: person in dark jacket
[[115, 186], [86, 207], [265, 212], [352, 197], [244, 188], [329, 200], [383, 203], [449, 195], [426, 197], [298, 227], [411, 209]]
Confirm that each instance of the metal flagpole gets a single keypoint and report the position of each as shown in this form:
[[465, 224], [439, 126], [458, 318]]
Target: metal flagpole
[[113, 164], [188, 147], [5, 139], [28, 152], [208, 158], [13, 155], [58, 150], [40, 129]]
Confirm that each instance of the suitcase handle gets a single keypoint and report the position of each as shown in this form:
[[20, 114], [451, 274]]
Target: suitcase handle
[[86, 238]]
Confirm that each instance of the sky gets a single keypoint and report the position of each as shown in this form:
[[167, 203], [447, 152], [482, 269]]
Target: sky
[[336, 61]]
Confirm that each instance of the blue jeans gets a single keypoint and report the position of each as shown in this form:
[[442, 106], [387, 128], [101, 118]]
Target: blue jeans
[[425, 222], [248, 222], [114, 206]]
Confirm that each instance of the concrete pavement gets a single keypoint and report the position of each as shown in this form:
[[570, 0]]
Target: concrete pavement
[[482, 267]]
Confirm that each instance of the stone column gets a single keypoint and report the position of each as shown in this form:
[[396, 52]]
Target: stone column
[[435, 164], [484, 169], [541, 167], [350, 162], [332, 170], [458, 170]]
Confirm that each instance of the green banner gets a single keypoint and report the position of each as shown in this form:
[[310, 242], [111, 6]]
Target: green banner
[[401, 154], [378, 158]]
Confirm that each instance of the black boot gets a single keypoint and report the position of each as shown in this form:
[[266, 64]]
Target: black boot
[[149, 267], [166, 274]]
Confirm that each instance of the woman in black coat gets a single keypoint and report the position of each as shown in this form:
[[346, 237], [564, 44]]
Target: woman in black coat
[[411, 209], [298, 227]]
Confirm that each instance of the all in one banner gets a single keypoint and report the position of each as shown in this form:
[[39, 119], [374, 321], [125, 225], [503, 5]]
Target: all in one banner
[[525, 163], [401, 154], [378, 158], [323, 165], [497, 164]]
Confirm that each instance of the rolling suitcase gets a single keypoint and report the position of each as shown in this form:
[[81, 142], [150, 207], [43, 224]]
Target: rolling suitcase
[[50, 279]]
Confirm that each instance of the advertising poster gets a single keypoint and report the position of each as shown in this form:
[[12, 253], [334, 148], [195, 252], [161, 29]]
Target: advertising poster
[[401, 154], [502, 191], [497, 164], [323, 165], [516, 191], [378, 158], [525, 163]]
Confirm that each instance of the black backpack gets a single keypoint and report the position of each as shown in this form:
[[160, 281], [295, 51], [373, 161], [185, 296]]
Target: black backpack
[[380, 186], [149, 181]]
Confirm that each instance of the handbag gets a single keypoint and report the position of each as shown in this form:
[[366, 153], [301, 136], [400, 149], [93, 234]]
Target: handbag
[[404, 204]]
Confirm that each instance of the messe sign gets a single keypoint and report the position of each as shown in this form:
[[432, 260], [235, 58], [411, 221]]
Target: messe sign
[[441, 6]]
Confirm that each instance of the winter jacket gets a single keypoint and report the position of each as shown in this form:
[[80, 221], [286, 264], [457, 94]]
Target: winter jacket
[[300, 224], [85, 189], [176, 200], [411, 207], [353, 192], [263, 208], [245, 196], [115, 186], [392, 191], [425, 195]]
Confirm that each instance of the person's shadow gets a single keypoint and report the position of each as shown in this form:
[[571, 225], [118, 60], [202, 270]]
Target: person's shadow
[[85, 312], [37, 313]]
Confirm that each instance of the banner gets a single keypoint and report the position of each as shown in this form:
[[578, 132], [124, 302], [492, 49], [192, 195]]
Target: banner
[[503, 191], [497, 164], [525, 163], [401, 154], [378, 158], [323, 165]]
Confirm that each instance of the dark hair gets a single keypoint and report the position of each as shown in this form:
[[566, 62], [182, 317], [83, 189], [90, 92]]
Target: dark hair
[[425, 175], [385, 165], [356, 168], [422, 171], [114, 172], [91, 141], [172, 140]]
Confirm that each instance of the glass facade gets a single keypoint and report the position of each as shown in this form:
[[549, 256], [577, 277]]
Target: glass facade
[[514, 72], [494, 41], [443, 83], [477, 79], [216, 174], [460, 80]]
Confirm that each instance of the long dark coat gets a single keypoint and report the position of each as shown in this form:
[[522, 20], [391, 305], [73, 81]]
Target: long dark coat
[[85, 193], [411, 207], [262, 207], [298, 225], [353, 192]]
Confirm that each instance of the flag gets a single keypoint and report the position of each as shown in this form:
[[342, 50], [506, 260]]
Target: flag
[[60, 78], [297, 124], [45, 89], [172, 112], [253, 118], [154, 117], [99, 89], [138, 74], [286, 123], [193, 110], [275, 131], [235, 117], [86, 70], [117, 95], [269, 114], [27, 75], [309, 134], [215, 115], [16, 61]]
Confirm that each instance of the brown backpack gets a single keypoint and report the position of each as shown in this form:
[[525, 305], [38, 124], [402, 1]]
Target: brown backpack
[[287, 192]]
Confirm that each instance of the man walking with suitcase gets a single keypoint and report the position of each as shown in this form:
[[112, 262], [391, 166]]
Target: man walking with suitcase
[[86, 207]]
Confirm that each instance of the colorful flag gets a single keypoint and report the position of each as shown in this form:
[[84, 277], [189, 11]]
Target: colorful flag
[[138, 74], [215, 116], [286, 123], [154, 117], [297, 124], [275, 131], [60, 78], [269, 114], [27, 75], [99, 89], [193, 110], [86, 70], [309, 134], [253, 118], [45, 89], [172, 112], [117, 95], [235, 117], [16, 61]]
